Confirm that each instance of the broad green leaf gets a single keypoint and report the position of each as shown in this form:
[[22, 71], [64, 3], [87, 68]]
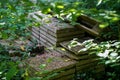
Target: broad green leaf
[[72, 10], [108, 62], [104, 54], [83, 50], [99, 2], [76, 3], [113, 54], [1, 73], [3, 23], [115, 19], [103, 25], [12, 72], [48, 10], [60, 6]]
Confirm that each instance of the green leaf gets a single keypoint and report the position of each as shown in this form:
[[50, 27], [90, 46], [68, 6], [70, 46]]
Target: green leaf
[[114, 19], [72, 10], [4, 35], [60, 6], [3, 23], [103, 25], [12, 72], [99, 2], [42, 66], [49, 60], [113, 54]]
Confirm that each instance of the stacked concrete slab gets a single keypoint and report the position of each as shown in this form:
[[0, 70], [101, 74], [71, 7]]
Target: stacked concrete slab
[[85, 61], [63, 68], [58, 67], [54, 32], [89, 25], [35, 34]]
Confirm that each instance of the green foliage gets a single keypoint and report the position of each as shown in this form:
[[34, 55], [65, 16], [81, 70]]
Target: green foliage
[[89, 75], [108, 52], [9, 64], [9, 71], [70, 10], [14, 23], [14, 14], [13, 18]]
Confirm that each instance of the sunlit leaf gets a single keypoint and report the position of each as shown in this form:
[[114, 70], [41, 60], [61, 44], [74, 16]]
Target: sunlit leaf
[[3, 23], [77, 3], [83, 50], [67, 60], [1, 73], [99, 2], [22, 48], [108, 62], [104, 54], [103, 25], [63, 49], [102, 14], [60, 6], [116, 43], [72, 44], [115, 19], [107, 17], [108, 45], [48, 9], [113, 54], [72, 10]]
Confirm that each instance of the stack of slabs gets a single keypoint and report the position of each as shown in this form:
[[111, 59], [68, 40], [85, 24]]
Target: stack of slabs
[[89, 25], [53, 31], [55, 67], [35, 34], [38, 19], [56, 32], [91, 66], [85, 61], [74, 51]]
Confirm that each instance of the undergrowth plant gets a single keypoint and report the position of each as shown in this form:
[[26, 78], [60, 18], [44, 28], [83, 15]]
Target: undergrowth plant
[[108, 52], [14, 23], [70, 10], [14, 18]]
